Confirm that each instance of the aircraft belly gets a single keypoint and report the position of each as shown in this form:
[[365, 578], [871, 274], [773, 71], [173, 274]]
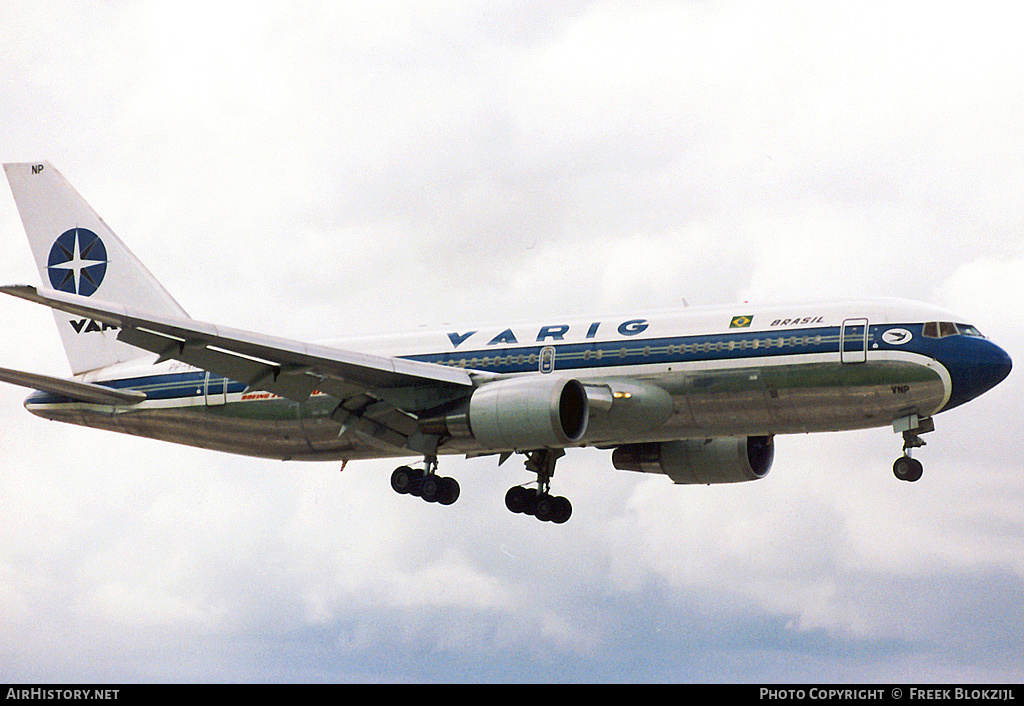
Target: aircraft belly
[[800, 398], [270, 429]]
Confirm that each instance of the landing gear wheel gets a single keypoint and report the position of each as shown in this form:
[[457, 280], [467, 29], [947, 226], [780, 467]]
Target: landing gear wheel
[[544, 509], [404, 479], [449, 491], [563, 510], [430, 489], [520, 499], [907, 469], [552, 508]]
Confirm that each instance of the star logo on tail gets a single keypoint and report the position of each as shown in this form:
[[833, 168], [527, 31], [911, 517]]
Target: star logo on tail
[[77, 262]]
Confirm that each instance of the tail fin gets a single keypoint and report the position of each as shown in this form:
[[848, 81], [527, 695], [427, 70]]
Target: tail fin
[[77, 252]]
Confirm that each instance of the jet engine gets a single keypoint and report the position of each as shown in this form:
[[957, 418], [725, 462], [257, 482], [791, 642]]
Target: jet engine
[[520, 413], [700, 461]]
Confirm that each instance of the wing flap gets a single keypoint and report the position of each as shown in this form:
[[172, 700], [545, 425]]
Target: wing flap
[[257, 374]]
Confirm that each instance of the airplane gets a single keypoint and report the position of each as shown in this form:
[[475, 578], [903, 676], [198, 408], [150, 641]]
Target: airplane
[[697, 395]]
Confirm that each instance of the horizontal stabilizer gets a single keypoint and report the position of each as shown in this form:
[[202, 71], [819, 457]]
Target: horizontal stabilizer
[[81, 391]]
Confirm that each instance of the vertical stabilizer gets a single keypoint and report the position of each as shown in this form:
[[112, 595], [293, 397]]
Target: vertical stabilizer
[[76, 252]]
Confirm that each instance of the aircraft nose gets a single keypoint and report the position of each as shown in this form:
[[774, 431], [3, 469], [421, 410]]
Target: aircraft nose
[[991, 366], [998, 366], [986, 366]]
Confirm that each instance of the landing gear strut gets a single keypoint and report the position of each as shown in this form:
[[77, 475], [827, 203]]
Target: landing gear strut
[[907, 468], [425, 483], [539, 502]]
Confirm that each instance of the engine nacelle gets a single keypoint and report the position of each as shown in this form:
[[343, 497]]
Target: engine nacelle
[[530, 412], [700, 461]]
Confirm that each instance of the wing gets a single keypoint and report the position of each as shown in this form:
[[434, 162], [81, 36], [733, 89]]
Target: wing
[[381, 392]]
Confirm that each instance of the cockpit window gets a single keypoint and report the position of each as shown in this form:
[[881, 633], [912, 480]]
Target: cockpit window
[[941, 329]]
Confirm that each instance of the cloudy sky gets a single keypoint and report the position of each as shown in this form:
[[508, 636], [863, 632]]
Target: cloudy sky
[[312, 170]]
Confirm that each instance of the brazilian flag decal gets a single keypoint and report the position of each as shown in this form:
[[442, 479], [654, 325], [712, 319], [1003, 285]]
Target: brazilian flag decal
[[741, 321]]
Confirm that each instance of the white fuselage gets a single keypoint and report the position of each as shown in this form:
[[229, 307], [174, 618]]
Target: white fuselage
[[695, 373]]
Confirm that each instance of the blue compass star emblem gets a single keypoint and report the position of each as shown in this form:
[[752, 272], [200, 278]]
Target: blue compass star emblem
[[78, 262]]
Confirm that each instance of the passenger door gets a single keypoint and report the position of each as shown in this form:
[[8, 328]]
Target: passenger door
[[853, 341]]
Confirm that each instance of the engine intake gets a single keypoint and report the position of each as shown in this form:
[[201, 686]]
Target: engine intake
[[521, 413], [700, 461]]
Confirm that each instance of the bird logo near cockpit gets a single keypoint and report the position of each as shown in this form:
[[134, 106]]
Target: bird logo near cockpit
[[77, 262], [897, 336]]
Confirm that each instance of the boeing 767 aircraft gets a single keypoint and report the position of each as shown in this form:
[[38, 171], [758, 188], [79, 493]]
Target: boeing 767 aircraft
[[698, 395]]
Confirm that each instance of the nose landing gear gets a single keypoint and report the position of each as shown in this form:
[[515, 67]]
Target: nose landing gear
[[907, 468]]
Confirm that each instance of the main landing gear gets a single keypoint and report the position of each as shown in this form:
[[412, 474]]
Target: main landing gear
[[907, 468], [425, 483], [539, 502]]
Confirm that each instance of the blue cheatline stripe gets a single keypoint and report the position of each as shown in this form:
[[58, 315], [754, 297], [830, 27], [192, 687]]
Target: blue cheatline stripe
[[733, 345], [163, 386]]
